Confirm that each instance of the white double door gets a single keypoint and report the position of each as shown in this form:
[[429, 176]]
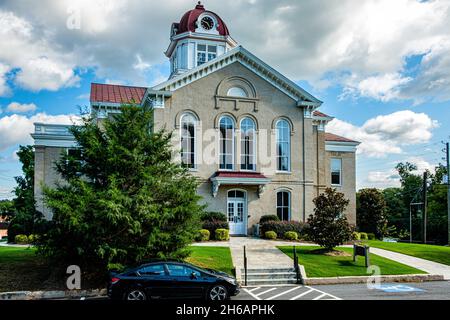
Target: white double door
[[237, 216]]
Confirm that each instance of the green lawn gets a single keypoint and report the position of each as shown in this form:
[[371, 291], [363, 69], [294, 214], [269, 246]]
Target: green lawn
[[425, 251], [317, 265], [218, 258]]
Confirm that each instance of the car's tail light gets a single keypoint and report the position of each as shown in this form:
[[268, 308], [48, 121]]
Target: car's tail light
[[114, 280]]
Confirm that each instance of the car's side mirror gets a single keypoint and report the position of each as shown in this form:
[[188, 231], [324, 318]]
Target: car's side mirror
[[193, 275]]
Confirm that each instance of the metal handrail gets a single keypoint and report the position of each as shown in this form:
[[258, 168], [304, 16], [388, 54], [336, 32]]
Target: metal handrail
[[297, 268], [245, 266]]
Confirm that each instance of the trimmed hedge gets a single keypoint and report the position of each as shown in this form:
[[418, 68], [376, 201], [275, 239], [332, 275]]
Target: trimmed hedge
[[356, 236], [203, 235], [291, 235], [371, 236], [363, 236], [267, 218], [222, 234], [212, 226], [21, 239], [281, 227], [272, 235]]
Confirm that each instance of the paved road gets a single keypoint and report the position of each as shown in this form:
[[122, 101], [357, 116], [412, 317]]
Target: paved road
[[437, 290]]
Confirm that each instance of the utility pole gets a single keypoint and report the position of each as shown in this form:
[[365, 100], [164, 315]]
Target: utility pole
[[425, 177], [448, 189]]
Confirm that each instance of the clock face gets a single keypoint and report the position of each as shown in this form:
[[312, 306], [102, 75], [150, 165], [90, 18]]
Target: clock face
[[207, 23]]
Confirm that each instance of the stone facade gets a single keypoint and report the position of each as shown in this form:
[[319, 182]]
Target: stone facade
[[231, 82]]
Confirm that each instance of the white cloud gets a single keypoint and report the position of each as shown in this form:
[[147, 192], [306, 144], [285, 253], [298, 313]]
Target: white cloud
[[16, 129], [387, 134], [385, 87], [21, 108], [391, 178], [368, 40]]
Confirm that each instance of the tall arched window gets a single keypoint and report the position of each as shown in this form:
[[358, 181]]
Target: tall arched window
[[283, 130], [226, 154], [248, 145], [188, 140], [284, 205]]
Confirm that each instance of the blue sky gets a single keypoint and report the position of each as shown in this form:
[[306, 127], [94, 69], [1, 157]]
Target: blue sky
[[382, 68]]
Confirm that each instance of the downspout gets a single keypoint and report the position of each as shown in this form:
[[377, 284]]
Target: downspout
[[304, 165]]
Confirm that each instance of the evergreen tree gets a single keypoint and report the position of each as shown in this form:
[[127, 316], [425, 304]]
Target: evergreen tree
[[24, 218], [328, 227], [124, 200], [370, 210]]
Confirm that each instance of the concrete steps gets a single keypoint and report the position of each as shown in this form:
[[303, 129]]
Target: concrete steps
[[269, 276]]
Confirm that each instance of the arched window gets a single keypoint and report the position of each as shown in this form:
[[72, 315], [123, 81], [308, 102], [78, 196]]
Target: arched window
[[284, 205], [237, 92], [226, 154], [283, 130], [248, 145], [188, 140]]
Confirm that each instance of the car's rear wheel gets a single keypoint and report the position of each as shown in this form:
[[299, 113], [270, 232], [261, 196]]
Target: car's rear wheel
[[135, 295], [218, 293]]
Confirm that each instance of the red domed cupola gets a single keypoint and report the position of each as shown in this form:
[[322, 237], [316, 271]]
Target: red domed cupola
[[190, 21], [199, 37]]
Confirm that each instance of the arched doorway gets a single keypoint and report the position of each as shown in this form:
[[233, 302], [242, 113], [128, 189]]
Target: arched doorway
[[237, 212]]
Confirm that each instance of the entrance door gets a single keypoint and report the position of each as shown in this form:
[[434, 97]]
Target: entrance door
[[237, 212]]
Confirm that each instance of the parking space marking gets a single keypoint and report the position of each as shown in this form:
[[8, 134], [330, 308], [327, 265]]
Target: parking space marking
[[283, 293], [301, 294], [309, 293]]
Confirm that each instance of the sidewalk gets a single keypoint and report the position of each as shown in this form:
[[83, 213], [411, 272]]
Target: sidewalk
[[428, 266]]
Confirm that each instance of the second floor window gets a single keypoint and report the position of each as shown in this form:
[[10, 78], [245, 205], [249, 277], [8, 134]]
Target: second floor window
[[336, 168], [283, 132], [226, 154], [248, 145], [188, 143]]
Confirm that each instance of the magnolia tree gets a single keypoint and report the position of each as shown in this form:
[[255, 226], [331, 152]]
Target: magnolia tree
[[123, 200], [328, 227]]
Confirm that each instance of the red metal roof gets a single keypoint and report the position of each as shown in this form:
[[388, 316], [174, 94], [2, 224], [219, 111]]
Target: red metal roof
[[111, 93], [321, 114], [335, 137], [187, 22], [226, 174]]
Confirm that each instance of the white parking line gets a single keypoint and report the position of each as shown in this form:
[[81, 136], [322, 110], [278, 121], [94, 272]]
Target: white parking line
[[321, 296], [282, 293], [258, 296], [302, 294], [261, 293]]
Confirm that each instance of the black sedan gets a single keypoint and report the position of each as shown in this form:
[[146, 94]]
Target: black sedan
[[171, 280]]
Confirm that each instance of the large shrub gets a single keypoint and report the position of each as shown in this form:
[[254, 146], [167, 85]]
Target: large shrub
[[21, 239], [328, 227], [267, 218], [281, 227], [213, 216], [370, 211]]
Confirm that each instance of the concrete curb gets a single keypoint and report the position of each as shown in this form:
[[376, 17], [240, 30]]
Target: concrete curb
[[54, 294], [365, 279]]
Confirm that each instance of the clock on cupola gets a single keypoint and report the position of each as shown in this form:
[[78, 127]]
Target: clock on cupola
[[200, 36]]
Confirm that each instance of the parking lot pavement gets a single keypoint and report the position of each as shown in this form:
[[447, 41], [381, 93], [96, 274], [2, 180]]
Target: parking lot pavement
[[284, 293]]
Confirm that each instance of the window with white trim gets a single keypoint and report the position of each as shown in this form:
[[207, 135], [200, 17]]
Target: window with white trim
[[336, 172], [284, 205], [226, 154], [205, 53], [188, 140], [248, 144], [283, 132]]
